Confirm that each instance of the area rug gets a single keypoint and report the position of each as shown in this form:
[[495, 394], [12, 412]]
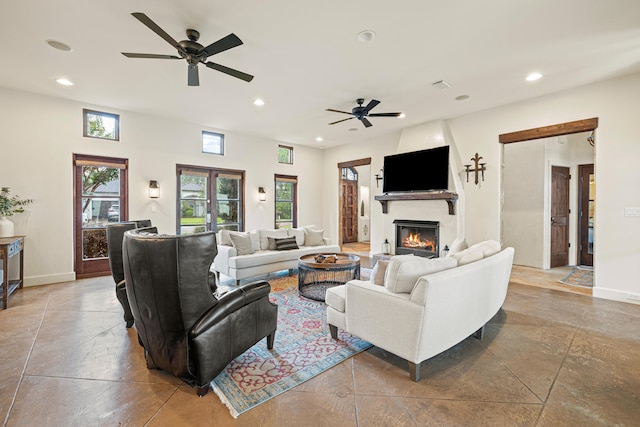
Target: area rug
[[579, 277], [303, 348]]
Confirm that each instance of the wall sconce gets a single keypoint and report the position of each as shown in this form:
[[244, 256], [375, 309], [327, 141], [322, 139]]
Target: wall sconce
[[262, 195], [479, 167], [154, 189], [379, 177]]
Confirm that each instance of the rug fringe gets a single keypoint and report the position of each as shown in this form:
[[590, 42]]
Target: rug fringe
[[223, 399]]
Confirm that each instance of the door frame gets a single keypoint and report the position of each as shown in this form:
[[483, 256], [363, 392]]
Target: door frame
[[563, 260], [359, 162], [578, 126], [100, 266]]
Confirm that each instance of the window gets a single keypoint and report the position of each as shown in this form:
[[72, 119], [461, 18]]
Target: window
[[97, 124], [208, 193], [212, 143], [285, 154], [286, 201]]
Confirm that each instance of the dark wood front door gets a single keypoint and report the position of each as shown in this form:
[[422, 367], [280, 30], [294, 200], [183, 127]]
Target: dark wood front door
[[586, 215], [559, 216], [349, 211]]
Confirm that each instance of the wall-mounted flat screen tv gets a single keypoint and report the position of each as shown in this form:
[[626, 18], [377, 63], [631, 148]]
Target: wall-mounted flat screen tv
[[425, 170]]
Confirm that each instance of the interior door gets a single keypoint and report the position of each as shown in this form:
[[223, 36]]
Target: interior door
[[587, 202], [349, 211], [559, 216]]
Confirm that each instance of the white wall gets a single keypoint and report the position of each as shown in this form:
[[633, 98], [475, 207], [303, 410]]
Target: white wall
[[617, 154], [39, 135]]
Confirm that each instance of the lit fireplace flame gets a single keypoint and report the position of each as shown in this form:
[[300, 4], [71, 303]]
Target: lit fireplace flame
[[414, 241]]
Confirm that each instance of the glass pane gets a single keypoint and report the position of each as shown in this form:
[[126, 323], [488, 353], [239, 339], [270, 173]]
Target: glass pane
[[100, 181], [212, 143], [231, 227], [284, 211], [193, 212], [284, 190], [284, 225], [94, 243], [285, 155], [101, 125], [228, 188], [193, 187], [228, 212]]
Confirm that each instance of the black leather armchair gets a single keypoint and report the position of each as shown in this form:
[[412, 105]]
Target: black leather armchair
[[115, 235], [186, 329]]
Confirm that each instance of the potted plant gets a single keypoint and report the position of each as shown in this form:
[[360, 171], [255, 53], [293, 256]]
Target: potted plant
[[9, 205]]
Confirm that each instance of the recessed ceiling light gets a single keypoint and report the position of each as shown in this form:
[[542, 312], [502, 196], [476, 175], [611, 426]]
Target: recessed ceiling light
[[64, 82], [259, 102], [534, 76], [58, 45], [462, 97], [366, 36], [319, 139], [353, 129]]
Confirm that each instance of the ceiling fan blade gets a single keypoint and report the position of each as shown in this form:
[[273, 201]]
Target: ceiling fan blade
[[337, 111], [230, 71], [223, 44], [333, 123], [156, 29], [192, 75], [149, 55], [385, 114], [366, 122], [370, 105]]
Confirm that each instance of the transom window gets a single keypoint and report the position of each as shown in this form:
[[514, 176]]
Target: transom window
[[98, 124], [286, 201], [285, 154], [212, 143]]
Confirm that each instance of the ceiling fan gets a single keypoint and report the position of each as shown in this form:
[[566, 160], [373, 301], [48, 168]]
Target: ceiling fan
[[361, 113], [192, 51]]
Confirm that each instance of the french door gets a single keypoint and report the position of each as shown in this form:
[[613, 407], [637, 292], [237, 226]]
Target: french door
[[99, 198], [587, 200], [209, 199]]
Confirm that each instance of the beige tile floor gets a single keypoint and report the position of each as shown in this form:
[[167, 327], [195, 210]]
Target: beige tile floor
[[548, 358]]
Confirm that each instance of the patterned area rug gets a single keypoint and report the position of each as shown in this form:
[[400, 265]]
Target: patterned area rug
[[303, 349], [579, 277]]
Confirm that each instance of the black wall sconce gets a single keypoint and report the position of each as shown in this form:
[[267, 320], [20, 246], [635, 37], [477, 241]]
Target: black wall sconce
[[379, 178], [262, 194], [478, 167]]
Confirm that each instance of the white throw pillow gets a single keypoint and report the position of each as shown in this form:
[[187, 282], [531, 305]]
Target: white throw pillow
[[298, 233], [468, 256], [241, 243], [223, 236], [403, 272], [458, 245], [313, 237], [255, 240], [488, 247], [264, 242], [378, 272]]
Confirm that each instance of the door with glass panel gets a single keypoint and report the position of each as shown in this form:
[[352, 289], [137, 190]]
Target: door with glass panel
[[100, 198], [209, 199]]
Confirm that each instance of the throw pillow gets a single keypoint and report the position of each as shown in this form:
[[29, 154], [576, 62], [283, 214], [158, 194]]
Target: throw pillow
[[468, 256], [403, 272], [264, 234], [255, 240], [313, 237], [298, 233], [488, 247], [377, 274], [272, 243], [241, 243], [286, 243], [223, 237], [458, 245]]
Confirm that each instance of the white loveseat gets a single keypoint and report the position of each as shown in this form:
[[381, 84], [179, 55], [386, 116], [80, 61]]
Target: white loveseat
[[424, 306], [253, 253]]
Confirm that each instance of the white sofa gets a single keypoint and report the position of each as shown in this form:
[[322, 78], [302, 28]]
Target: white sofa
[[246, 255], [424, 306]]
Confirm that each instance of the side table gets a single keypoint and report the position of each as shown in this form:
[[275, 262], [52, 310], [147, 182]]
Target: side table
[[9, 247]]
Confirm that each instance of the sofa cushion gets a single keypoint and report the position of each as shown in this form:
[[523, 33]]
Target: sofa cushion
[[264, 234], [241, 243], [468, 256], [377, 274], [458, 245], [286, 243], [263, 258], [335, 297], [488, 247], [313, 237], [403, 272], [255, 240], [298, 233]]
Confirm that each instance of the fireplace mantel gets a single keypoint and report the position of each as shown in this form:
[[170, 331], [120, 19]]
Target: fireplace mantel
[[449, 197]]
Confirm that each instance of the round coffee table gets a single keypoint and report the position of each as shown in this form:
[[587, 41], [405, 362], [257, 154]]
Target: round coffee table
[[314, 278]]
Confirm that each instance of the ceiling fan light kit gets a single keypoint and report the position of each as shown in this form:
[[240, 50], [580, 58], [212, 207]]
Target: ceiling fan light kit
[[192, 51], [362, 112]]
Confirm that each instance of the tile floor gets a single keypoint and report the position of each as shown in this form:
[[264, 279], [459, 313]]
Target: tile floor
[[548, 358]]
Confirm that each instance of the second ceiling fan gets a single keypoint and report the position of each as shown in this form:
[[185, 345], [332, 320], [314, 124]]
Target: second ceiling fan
[[362, 112]]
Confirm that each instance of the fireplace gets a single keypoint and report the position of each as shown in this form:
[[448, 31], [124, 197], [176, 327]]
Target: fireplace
[[417, 238]]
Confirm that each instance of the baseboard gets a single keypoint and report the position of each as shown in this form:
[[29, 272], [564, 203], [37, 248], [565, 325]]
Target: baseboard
[[49, 279], [616, 295]]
